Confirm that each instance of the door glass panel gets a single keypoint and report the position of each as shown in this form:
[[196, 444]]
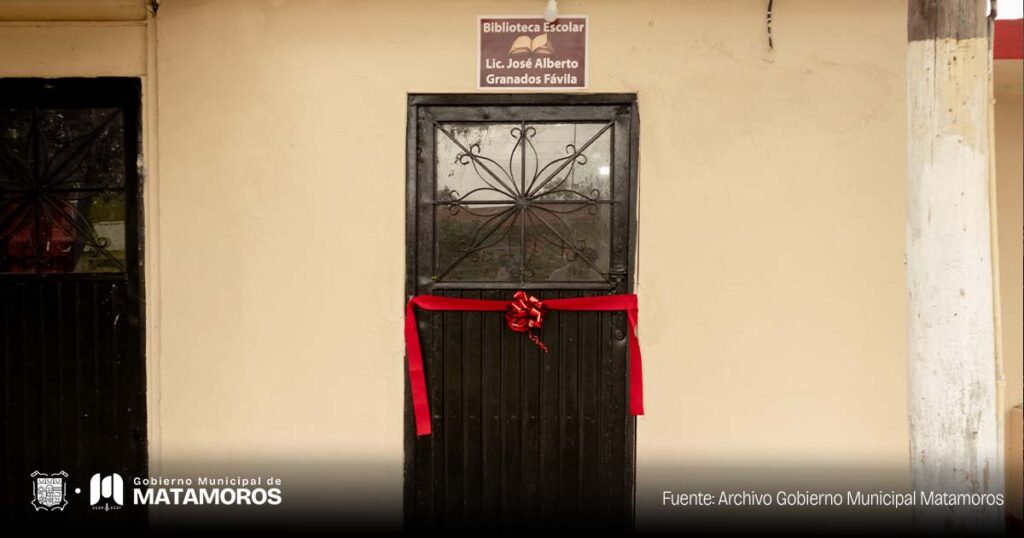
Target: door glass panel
[[589, 176], [479, 243], [62, 201], [70, 148], [526, 202], [567, 242], [460, 177]]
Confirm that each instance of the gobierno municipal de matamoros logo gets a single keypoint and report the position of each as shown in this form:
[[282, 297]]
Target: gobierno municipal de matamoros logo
[[50, 491], [107, 491]]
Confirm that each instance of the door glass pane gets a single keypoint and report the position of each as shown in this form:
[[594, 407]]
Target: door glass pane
[[84, 234], [588, 176], [568, 242], [460, 176], [63, 148], [479, 243], [527, 202], [62, 201]]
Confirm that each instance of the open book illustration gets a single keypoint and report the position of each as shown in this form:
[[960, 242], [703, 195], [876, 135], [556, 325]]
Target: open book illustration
[[539, 45]]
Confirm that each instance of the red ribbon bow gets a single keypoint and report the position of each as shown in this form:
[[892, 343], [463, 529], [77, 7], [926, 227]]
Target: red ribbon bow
[[525, 313]]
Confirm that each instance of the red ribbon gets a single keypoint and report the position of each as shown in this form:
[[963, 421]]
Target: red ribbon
[[533, 312]]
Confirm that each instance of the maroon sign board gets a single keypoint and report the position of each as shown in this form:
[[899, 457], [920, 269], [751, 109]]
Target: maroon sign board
[[528, 52]]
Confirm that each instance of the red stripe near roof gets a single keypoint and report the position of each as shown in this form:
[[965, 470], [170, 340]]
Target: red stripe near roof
[[1009, 40]]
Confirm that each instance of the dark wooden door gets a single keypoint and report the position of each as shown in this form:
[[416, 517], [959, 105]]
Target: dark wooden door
[[533, 192], [72, 395]]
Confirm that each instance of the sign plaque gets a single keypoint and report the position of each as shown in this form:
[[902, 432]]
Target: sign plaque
[[529, 53]]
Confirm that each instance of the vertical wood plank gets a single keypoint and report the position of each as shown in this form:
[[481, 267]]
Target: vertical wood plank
[[572, 346], [530, 361], [513, 431], [607, 420], [492, 325], [67, 323], [549, 412], [12, 392], [616, 414], [435, 387], [473, 445], [419, 514], [27, 313], [454, 425]]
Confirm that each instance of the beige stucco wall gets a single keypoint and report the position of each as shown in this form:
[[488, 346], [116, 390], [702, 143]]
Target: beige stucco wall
[[1009, 133], [771, 276], [771, 208], [83, 49]]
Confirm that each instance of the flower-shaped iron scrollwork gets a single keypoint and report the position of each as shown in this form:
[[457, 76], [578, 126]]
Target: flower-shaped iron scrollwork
[[523, 197]]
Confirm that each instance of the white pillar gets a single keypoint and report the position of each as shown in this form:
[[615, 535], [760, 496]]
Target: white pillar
[[951, 342]]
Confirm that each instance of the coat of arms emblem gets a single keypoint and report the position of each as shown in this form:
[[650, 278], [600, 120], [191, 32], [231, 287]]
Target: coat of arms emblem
[[49, 490]]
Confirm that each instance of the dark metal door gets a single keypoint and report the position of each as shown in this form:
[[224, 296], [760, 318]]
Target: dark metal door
[[71, 302], [533, 192]]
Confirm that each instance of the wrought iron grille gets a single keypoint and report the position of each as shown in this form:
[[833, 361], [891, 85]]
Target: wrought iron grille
[[538, 215], [62, 190]]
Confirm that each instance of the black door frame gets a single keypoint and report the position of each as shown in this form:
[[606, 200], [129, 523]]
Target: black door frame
[[418, 166], [124, 94]]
